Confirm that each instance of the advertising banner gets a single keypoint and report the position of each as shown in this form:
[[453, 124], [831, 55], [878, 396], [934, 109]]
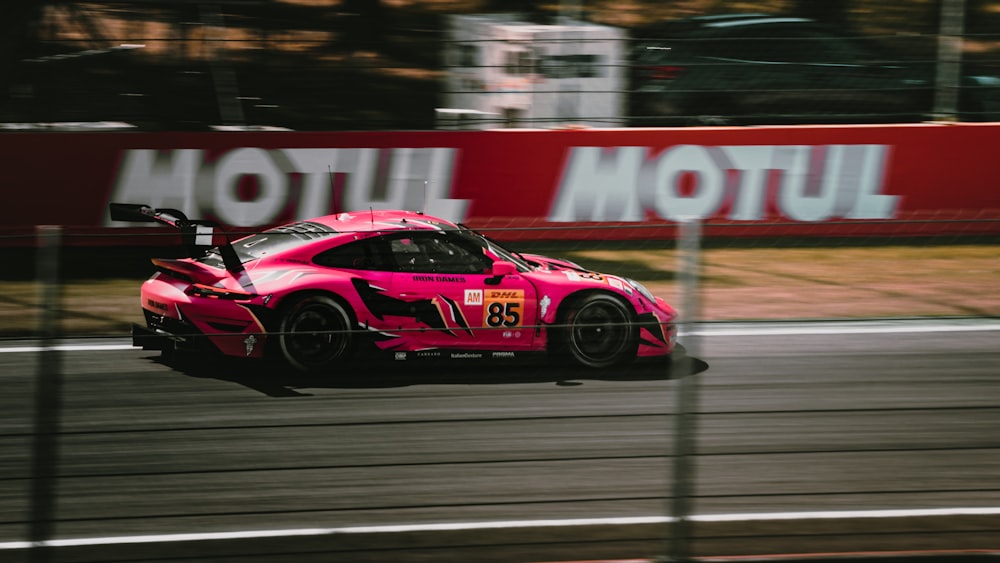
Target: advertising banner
[[923, 179]]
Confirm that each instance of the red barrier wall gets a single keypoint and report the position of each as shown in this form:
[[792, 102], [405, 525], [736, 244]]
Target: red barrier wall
[[836, 180]]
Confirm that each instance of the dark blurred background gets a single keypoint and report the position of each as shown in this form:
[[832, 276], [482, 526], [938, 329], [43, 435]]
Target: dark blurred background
[[371, 64]]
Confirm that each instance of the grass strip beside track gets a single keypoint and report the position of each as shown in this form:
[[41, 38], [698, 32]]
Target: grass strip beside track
[[736, 283]]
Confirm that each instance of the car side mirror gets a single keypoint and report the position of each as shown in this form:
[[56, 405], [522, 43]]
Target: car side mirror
[[500, 269], [504, 268]]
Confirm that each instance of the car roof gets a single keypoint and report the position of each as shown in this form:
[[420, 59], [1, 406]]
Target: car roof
[[381, 220], [684, 26], [336, 229], [726, 17], [734, 22]]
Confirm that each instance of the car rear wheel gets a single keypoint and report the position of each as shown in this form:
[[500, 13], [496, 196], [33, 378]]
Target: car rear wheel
[[598, 332], [315, 334]]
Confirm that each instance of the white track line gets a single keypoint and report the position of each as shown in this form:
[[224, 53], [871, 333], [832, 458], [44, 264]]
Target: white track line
[[67, 348], [501, 525], [763, 328], [810, 328]]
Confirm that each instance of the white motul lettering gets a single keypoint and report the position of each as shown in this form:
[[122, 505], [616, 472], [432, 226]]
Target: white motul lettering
[[436, 200], [598, 185], [871, 204], [663, 195], [272, 184], [407, 185], [361, 166], [805, 195], [814, 183], [417, 179], [159, 179], [844, 177], [750, 195], [316, 166]]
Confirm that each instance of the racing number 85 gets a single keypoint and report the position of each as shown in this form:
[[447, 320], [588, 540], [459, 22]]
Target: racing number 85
[[503, 314], [503, 308]]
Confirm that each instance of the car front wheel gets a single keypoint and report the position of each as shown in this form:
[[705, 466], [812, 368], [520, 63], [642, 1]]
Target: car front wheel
[[315, 334], [598, 332]]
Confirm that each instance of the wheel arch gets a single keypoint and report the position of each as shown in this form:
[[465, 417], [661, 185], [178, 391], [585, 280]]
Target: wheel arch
[[281, 305], [567, 302], [293, 297]]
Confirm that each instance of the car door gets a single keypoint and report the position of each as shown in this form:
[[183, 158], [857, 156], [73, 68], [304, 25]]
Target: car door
[[457, 300]]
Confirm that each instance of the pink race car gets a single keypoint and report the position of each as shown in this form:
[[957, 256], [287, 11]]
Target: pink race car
[[318, 293]]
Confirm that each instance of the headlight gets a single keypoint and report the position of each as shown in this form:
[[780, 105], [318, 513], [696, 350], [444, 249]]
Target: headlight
[[641, 289]]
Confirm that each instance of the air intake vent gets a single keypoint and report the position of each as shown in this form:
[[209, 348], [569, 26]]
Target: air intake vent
[[305, 230]]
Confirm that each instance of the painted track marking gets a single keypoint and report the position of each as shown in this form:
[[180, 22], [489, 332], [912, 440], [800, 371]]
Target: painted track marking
[[707, 329], [501, 525]]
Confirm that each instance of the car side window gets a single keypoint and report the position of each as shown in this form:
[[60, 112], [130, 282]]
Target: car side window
[[800, 46], [726, 47], [785, 44], [437, 253], [747, 45], [359, 255]]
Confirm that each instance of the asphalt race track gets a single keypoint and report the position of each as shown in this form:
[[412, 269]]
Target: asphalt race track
[[395, 464]]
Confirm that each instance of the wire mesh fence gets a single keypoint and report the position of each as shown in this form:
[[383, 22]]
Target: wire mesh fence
[[805, 437], [777, 435], [311, 67]]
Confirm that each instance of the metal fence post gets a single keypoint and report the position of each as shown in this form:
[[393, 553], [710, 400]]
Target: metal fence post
[[223, 76], [949, 60], [47, 397], [686, 389]]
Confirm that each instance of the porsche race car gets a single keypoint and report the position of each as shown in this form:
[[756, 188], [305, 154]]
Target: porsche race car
[[399, 284]]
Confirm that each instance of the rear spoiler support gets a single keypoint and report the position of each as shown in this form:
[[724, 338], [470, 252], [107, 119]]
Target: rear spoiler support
[[195, 235]]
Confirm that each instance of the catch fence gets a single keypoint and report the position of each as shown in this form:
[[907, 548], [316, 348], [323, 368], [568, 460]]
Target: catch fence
[[97, 442]]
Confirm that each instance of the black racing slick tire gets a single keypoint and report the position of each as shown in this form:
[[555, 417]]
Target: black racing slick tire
[[598, 331], [315, 334]]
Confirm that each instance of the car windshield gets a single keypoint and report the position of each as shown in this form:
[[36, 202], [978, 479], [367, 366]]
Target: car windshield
[[496, 248]]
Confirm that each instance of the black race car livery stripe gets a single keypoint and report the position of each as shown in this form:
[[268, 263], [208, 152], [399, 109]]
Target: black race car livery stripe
[[381, 305]]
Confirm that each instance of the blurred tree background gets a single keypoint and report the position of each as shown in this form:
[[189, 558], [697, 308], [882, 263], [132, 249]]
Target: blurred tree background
[[335, 64]]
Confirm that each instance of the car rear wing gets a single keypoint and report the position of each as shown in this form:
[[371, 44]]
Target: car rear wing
[[197, 236]]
